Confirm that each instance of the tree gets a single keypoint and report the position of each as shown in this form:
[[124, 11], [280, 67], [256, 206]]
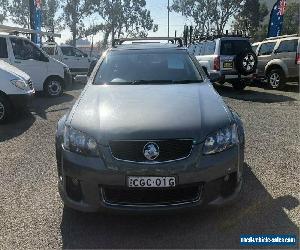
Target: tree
[[50, 9], [74, 12], [250, 17], [208, 15], [20, 13], [3, 10], [123, 17], [291, 19]]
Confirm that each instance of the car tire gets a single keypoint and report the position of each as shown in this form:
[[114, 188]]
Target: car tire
[[5, 109], [246, 63], [53, 87], [276, 79], [239, 85], [205, 71]]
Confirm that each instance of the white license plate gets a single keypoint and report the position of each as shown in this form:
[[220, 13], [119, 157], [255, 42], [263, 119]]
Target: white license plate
[[151, 182]]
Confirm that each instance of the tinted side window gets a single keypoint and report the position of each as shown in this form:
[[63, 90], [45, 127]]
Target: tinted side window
[[266, 48], [234, 47], [25, 50], [288, 46], [3, 48], [209, 48]]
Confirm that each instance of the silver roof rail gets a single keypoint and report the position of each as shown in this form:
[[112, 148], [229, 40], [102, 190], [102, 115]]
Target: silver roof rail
[[279, 37], [120, 41], [17, 30]]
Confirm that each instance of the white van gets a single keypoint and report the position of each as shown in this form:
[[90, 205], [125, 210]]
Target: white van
[[46, 73], [15, 90], [78, 61]]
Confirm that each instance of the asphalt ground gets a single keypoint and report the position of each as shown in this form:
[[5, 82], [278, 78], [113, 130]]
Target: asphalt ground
[[32, 215]]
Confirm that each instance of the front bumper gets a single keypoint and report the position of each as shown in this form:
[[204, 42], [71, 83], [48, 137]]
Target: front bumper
[[227, 76], [21, 101], [95, 175]]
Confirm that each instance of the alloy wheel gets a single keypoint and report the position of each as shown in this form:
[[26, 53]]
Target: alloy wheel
[[54, 88], [274, 80]]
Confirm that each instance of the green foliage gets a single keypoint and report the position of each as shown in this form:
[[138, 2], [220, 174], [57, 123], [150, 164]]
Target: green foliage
[[20, 13], [124, 17], [208, 15], [74, 12], [291, 19], [50, 9], [3, 10], [250, 17]]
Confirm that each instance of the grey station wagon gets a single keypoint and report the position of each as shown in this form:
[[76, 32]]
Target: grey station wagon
[[149, 132]]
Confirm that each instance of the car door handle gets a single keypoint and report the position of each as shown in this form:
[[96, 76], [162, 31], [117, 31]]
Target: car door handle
[[66, 58], [17, 62]]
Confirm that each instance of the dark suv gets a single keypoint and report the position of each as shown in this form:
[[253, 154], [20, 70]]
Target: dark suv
[[226, 59], [149, 132]]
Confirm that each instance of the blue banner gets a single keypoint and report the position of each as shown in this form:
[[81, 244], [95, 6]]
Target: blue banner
[[276, 18], [38, 20]]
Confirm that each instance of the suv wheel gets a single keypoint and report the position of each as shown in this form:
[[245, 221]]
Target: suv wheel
[[246, 63], [53, 87], [276, 79], [5, 109], [239, 85]]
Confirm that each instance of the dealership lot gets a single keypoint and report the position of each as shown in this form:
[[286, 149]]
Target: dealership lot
[[32, 215]]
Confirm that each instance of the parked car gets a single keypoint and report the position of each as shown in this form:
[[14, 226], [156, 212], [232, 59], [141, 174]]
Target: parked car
[[46, 73], [15, 90], [83, 79], [227, 59], [78, 61], [279, 60], [149, 132]]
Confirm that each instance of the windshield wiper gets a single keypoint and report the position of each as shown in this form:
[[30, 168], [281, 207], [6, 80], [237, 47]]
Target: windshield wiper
[[141, 82], [136, 82]]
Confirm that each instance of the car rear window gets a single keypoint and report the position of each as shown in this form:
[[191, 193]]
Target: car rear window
[[3, 48], [234, 47], [266, 48], [124, 67]]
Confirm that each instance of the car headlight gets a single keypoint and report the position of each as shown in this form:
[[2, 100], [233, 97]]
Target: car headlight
[[20, 84], [221, 140], [79, 142]]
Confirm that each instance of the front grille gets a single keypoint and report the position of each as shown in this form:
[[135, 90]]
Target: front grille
[[30, 84], [125, 196], [169, 150]]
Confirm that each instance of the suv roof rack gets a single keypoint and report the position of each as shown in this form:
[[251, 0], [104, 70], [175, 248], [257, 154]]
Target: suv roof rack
[[279, 37], [140, 40], [209, 37], [16, 31]]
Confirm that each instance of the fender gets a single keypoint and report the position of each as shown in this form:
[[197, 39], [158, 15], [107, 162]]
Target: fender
[[279, 63]]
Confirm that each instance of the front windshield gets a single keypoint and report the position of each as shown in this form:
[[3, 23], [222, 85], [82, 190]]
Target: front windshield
[[143, 67]]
